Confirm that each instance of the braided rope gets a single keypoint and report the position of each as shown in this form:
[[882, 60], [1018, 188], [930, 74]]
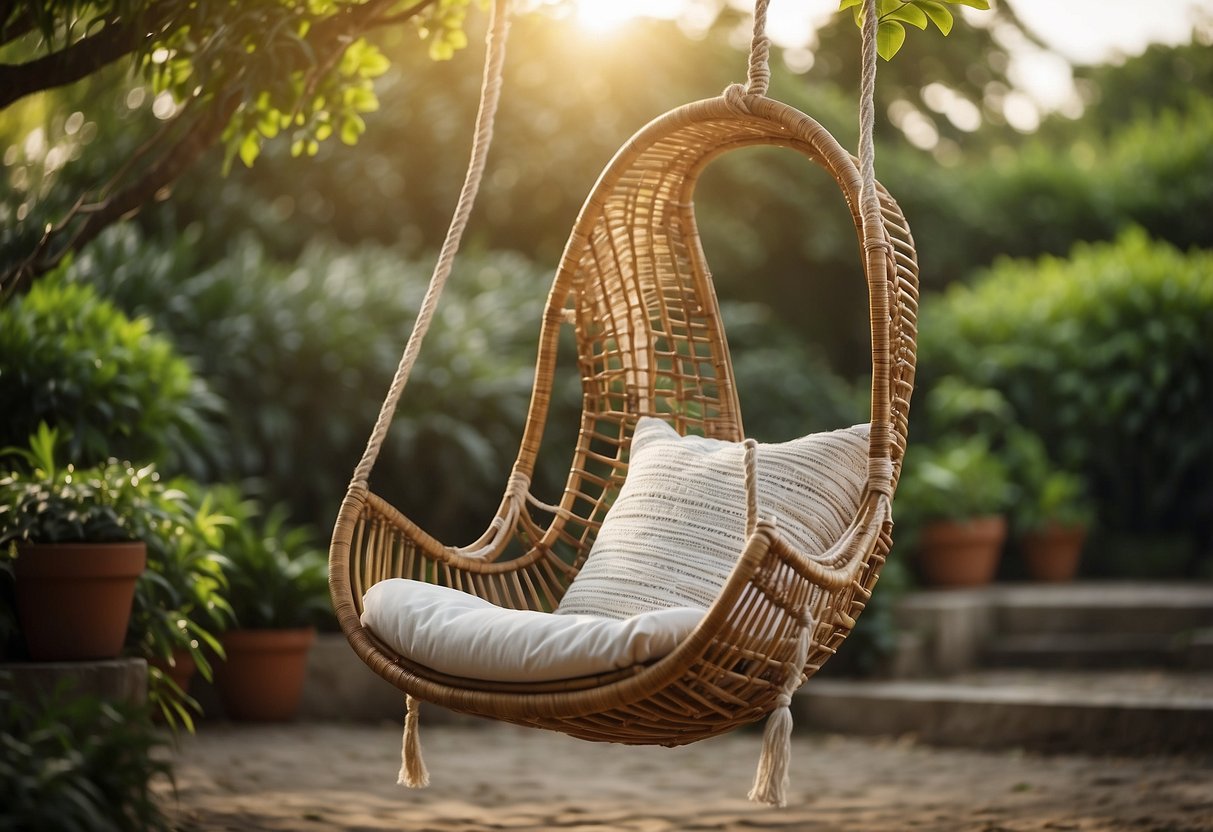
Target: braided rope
[[867, 114], [878, 250], [758, 77], [490, 94]]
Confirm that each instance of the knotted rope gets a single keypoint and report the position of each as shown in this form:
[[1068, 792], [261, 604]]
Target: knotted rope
[[771, 778], [413, 772]]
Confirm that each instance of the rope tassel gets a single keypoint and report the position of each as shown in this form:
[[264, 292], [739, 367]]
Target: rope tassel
[[413, 772], [771, 780]]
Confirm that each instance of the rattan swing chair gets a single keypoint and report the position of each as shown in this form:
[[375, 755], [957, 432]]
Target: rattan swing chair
[[634, 287]]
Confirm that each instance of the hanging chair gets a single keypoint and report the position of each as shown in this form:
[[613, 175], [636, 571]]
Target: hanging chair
[[634, 288]]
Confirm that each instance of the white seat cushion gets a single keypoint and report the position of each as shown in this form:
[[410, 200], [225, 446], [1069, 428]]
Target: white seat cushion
[[462, 635], [677, 527]]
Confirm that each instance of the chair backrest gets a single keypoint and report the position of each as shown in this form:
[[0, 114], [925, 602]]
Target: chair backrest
[[635, 284]]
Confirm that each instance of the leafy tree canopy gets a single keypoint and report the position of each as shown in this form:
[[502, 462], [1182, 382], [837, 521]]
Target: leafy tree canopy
[[240, 71]]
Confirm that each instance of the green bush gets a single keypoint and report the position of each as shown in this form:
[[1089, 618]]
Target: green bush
[[1155, 171], [276, 575], [304, 355], [785, 386], [78, 764], [115, 388], [1104, 355]]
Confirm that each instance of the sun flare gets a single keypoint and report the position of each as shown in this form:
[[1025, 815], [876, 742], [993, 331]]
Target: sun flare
[[604, 16]]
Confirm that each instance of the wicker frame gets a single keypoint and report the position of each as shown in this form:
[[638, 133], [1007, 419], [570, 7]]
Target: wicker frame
[[634, 285]]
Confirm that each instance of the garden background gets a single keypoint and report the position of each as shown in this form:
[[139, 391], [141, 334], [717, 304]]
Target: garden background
[[240, 331], [1065, 270]]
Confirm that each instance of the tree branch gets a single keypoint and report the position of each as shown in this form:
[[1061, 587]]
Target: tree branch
[[85, 220], [52, 248], [400, 17], [79, 60], [20, 24]]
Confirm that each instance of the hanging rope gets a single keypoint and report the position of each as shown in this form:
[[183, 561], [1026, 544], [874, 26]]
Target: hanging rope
[[771, 778], [490, 94], [758, 77]]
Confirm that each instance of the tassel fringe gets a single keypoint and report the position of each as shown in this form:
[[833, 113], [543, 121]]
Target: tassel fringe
[[771, 780], [413, 772]]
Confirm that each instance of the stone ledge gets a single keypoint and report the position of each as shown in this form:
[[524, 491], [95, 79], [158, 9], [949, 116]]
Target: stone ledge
[[1098, 712], [122, 680]]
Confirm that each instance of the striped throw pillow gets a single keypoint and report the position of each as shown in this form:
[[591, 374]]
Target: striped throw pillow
[[678, 526]]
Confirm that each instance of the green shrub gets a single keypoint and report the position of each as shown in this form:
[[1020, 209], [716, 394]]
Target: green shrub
[[956, 479], [1104, 355], [304, 355], [1155, 171], [78, 764], [786, 389], [115, 388], [276, 575]]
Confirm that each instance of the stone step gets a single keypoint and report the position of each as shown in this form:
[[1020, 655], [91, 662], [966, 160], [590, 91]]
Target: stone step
[[956, 628], [1076, 651], [122, 680], [1105, 607], [1094, 712]]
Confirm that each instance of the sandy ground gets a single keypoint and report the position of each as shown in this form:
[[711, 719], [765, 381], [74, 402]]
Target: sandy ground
[[497, 777]]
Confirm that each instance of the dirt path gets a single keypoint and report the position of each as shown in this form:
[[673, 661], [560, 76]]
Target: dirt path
[[329, 777]]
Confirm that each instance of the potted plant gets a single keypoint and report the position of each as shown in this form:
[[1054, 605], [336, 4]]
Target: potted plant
[[954, 494], [77, 534], [181, 603], [1051, 511], [1053, 519], [278, 588]]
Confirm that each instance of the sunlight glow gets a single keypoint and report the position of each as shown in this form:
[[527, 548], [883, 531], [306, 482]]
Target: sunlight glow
[[604, 16]]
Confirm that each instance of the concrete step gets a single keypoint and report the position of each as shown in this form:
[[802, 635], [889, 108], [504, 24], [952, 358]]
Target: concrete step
[[123, 680], [1086, 651], [1141, 622], [1104, 607], [1108, 711]]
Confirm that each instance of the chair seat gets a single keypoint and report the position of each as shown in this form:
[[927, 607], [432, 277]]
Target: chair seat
[[459, 634]]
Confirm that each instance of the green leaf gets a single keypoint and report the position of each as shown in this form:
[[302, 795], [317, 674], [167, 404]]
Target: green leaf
[[981, 5], [846, 4], [939, 14], [250, 149], [908, 13], [351, 128], [889, 38], [374, 63]]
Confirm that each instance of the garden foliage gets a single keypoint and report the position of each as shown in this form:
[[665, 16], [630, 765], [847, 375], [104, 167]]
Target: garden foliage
[[115, 388], [303, 356], [1105, 356], [79, 764]]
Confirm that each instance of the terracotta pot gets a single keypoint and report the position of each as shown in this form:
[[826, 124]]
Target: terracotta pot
[[962, 553], [74, 599], [1052, 553], [262, 678]]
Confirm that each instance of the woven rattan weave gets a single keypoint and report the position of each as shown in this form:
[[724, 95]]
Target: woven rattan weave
[[635, 289]]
